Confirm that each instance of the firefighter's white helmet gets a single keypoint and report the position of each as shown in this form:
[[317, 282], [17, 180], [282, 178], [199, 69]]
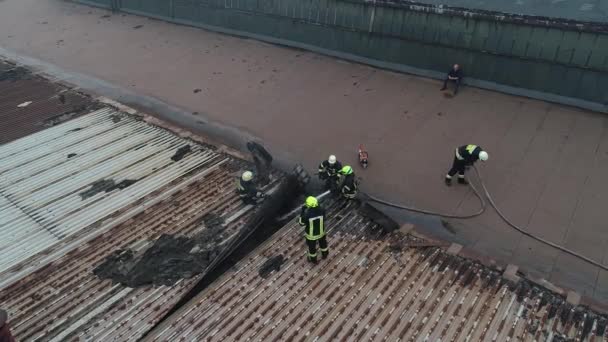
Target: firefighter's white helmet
[[247, 176], [483, 156], [332, 159]]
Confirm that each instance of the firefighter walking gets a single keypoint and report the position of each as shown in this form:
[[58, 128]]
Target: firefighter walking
[[312, 218], [465, 155]]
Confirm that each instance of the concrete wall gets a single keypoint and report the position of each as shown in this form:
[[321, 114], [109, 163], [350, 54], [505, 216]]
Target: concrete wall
[[561, 61]]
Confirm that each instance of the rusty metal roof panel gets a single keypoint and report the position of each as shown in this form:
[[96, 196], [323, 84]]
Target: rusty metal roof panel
[[47, 284], [373, 287], [30, 103]]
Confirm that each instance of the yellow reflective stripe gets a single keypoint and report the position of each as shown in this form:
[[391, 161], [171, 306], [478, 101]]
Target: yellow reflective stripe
[[471, 148], [311, 227]]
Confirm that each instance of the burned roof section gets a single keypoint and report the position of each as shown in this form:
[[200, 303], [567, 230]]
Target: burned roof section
[[92, 244], [30, 103]]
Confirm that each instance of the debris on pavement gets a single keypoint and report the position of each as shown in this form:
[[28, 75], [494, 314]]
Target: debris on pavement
[[24, 104]]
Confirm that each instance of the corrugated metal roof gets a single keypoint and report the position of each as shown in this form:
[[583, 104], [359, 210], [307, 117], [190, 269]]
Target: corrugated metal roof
[[372, 288], [29, 103], [43, 178], [58, 233]]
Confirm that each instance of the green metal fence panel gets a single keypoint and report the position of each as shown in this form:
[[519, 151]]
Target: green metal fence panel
[[160, 8], [99, 3], [599, 53], [556, 60], [188, 10]]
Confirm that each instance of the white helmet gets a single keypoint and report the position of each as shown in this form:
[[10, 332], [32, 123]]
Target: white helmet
[[332, 159], [483, 155], [247, 176]]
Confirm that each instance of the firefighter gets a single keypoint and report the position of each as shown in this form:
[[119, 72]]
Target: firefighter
[[247, 190], [466, 155], [312, 218], [348, 182], [328, 171]]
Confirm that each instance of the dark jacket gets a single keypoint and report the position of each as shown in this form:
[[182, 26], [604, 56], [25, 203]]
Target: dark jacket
[[468, 153], [349, 186], [246, 189], [327, 170], [455, 73], [313, 221]]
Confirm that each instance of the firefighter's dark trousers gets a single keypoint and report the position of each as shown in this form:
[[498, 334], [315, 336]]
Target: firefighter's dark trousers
[[312, 248], [458, 167]]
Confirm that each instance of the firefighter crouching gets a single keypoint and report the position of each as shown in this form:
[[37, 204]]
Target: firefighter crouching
[[328, 171], [247, 190], [347, 183], [312, 218]]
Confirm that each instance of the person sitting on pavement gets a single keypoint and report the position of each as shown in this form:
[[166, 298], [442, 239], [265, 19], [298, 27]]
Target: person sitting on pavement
[[348, 183], [465, 155], [247, 190], [454, 75], [328, 171]]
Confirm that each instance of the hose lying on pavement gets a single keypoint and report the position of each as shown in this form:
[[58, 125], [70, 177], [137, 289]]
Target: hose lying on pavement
[[481, 210], [500, 214]]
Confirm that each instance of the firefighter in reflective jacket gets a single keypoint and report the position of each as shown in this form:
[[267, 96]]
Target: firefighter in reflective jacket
[[247, 190], [312, 219], [328, 171], [465, 155], [348, 183]]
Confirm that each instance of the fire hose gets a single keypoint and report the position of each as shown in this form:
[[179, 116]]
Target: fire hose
[[490, 200]]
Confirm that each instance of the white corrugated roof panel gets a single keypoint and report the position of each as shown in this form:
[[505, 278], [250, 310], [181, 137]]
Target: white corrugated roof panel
[[44, 178]]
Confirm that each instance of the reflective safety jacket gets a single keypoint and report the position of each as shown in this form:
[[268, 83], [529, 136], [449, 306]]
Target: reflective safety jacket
[[468, 153], [313, 221], [327, 170], [246, 189], [349, 186]]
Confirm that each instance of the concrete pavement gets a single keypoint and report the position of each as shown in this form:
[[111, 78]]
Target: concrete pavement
[[547, 162]]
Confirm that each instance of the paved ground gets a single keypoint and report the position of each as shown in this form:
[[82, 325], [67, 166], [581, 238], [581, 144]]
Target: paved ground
[[548, 163]]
